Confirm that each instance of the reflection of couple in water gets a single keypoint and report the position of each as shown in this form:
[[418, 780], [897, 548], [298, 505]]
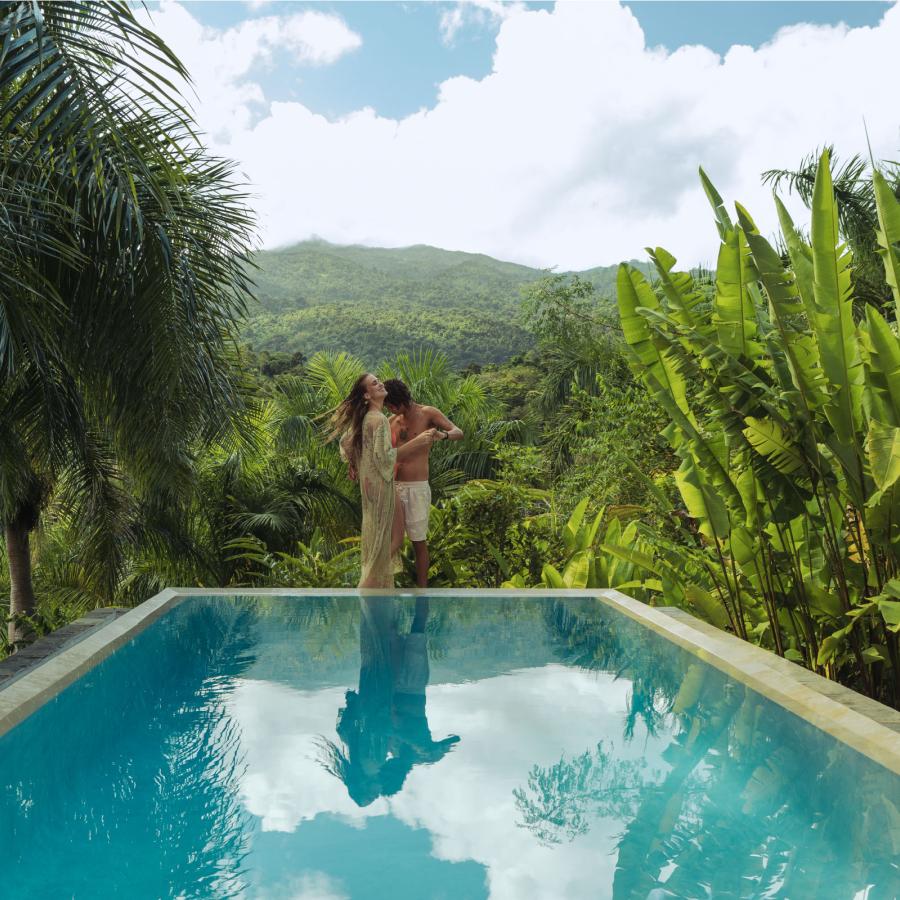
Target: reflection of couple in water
[[383, 727]]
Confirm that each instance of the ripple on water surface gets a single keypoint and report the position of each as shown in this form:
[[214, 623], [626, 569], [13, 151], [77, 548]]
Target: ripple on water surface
[[512, 748]]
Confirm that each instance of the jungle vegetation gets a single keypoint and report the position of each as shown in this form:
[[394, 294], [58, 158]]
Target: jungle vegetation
[[319, 296], [727, 441]]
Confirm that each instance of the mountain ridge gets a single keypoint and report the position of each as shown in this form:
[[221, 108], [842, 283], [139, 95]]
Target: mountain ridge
[[373, 301]]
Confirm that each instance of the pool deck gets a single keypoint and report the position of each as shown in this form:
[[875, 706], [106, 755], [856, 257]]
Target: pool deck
[[34, 675], [54, 643]]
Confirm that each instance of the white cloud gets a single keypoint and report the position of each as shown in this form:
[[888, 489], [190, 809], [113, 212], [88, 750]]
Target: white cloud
[[580, 148], [273, 749], [475, 12], [308, 886], [317, 38], [221, 62], [507, 724]]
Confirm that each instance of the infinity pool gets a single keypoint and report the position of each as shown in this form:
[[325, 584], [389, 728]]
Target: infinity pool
[[512, 748]]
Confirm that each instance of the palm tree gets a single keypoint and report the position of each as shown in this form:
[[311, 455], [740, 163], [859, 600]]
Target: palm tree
[[857, 216], [125, 259]]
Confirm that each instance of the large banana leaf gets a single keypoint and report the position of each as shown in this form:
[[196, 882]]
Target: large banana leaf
[[833, 323], [723, 220], [579, 570], [801, 259], [573, 526], [735, 317], [888, 233], [883, 516], [701, 357], [634, 293], [883, 445], [735, 311], [579, 534], [679, 290], [550, 576], [703, 501], [633, 557], [786, 307], [708, 607], [883, 368], [700, 445]]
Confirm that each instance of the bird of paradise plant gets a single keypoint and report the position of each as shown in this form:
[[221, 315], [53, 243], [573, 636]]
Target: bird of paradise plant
[[789, 438]]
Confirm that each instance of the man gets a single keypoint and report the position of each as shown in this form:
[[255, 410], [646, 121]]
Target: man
[[409, 420]]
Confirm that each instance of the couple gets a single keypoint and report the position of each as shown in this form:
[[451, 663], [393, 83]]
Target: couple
[[390, 460]]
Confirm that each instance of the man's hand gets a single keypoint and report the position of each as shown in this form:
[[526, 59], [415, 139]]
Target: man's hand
[[352, 474]]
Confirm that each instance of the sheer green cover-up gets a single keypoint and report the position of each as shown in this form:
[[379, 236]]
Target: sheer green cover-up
[[376, 483]]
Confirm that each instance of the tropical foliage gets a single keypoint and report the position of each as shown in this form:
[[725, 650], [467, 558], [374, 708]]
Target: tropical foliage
[[124, 252], [854, 192], [319, 296], [784, 408], [274, 507], [727, 442]]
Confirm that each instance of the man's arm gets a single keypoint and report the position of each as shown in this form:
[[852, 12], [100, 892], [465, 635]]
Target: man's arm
[[439, 420]]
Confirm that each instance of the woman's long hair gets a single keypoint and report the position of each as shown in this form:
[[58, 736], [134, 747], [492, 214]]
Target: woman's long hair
[[349, 415]]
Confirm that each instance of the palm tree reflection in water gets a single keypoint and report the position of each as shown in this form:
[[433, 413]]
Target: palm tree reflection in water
[[750, 801], [383, 726]]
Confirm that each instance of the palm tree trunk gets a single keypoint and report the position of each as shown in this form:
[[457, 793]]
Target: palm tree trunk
[[21, 595]]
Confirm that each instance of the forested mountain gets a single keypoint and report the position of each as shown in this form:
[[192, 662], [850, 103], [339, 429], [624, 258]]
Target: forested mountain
[[374, 301]]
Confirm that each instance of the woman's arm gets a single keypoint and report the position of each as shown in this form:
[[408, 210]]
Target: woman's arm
[[384, 455], [347, 455]]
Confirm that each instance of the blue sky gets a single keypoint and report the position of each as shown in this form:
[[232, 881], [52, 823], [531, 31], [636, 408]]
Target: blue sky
[[403, 58], [554, 134]]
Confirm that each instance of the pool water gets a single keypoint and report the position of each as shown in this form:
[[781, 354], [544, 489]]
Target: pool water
[[405, 748]]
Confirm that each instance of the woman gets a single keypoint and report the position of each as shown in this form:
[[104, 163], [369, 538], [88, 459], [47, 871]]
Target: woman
[[366, 445]]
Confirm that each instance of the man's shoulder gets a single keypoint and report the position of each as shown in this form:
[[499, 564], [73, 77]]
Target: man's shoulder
[[420, 413]]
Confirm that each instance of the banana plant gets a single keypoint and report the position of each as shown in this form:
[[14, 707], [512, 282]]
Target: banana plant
[[591, 560], [785, 411]]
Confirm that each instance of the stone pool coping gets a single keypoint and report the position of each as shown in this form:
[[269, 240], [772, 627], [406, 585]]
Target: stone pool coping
[[55, 642], [866, 725]]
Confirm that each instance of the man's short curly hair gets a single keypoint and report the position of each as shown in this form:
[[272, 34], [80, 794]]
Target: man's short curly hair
[[397, 393]]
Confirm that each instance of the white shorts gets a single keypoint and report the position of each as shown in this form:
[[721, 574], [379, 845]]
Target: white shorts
[[414, 498]]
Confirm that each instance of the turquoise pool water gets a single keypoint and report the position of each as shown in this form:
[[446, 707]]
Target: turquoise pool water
[[517, 749]]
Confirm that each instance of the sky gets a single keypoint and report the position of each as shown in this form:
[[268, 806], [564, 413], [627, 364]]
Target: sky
[[560, 135]]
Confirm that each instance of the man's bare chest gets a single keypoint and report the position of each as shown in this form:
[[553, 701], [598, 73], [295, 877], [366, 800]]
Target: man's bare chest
[[409, 427]]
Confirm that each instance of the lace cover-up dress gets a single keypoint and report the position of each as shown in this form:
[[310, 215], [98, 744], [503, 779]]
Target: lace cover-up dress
[[376, 484]]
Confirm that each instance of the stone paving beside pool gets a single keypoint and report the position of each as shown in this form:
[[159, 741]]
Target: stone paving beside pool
[[55, 642]]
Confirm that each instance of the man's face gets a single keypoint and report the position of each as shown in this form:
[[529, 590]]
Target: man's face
[[393, 408]]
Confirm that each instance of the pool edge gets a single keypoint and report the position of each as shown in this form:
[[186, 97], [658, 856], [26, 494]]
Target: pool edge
[[31, 689], [867, 726]]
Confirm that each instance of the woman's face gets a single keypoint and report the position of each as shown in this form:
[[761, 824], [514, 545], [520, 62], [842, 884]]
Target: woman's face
[[374, 389]]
